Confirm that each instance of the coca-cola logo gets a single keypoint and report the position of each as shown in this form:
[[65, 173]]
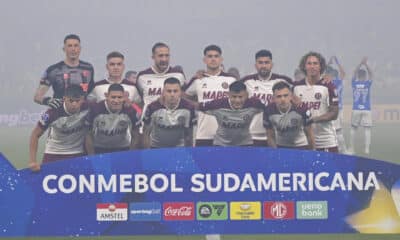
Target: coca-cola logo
[[178, 211]]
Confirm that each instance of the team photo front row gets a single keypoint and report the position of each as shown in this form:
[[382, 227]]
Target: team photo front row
[[81, 127]]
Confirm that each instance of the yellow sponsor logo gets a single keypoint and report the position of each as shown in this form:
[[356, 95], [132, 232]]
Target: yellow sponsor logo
[[245, 210]]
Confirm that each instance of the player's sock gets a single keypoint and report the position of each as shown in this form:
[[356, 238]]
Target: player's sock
[[367, 139], [341, 141], [213, 237], [352, 139]]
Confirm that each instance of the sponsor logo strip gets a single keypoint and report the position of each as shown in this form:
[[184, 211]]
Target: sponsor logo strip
[[312, 210], [145, 211], [212, 210], [112, 212], [245, 210]]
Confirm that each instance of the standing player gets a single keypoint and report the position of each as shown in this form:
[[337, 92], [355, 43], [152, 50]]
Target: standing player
[[234, 115], [319, 97], [361, 115], [151, 80], [115, 67], [169, 120], [212, 85], [60, 75], [131, 76], [287, 125], [113, 124], [67, 129], [260, 85], [337, 79]]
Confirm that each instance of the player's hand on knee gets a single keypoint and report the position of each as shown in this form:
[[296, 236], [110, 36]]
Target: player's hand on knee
[[34, 166], [52, 102]]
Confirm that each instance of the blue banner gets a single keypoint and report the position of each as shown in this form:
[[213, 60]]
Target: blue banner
[[225, 190]]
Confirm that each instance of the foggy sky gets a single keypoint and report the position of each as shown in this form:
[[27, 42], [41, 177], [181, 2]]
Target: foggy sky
[[33, 32]]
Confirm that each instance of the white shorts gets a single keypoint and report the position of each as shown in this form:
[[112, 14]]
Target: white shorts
[[206, 126], [337, 124], [361, 118]]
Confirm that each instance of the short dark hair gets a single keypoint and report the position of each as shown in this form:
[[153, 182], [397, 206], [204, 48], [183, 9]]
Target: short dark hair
[[72, 36], [172, 80], [129, 73], [264, 53], [361, 73], [320, 58], [158, 45], [237, 86], [212, 47], [115, 54], [280, 85], [74, 91], [115, 87]]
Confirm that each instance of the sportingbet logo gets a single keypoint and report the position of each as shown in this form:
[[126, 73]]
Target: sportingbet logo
[[145, 211], [245, 210], [212, 211], [278, 210], [112, 212], [178, 211]]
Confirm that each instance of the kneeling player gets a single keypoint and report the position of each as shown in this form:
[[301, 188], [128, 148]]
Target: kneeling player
[[234, 115], [114, 126], [287, 125], [67, 130], [169, 120]]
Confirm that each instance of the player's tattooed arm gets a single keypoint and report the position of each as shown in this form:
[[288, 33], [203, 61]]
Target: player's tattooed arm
[[33, 147], [189, 137], [271, 138], [310, 136], [40, 92], [146, 136], [89, 144], [135, 141], [332, 114]]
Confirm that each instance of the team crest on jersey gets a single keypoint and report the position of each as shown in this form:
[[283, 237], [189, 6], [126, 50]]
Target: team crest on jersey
[[66, 76], [148, 82], [225, 85], [85, 73], [318, 96], [294, 122], [102, 123], [44, 118], [246, 117], [204, 85], [123, 124]]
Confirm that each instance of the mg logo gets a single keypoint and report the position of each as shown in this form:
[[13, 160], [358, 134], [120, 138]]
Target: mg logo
[[278, 210]]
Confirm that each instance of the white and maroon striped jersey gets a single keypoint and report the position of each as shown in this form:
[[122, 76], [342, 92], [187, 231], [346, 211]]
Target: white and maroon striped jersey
[[66, 131], [262, 89], [317, 98], [206, 89], [150, 83], [101, 87]]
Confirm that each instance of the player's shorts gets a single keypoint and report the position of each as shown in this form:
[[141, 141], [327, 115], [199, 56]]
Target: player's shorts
[[204, 142], [329, 149], [306, 147], [259, 143], [49, 157], [257, 130], [361, 118], [337, 124], [99, 150]]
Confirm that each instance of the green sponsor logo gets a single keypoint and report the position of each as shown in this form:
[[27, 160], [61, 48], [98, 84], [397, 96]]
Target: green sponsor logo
[[312, 210], [212, 210]]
